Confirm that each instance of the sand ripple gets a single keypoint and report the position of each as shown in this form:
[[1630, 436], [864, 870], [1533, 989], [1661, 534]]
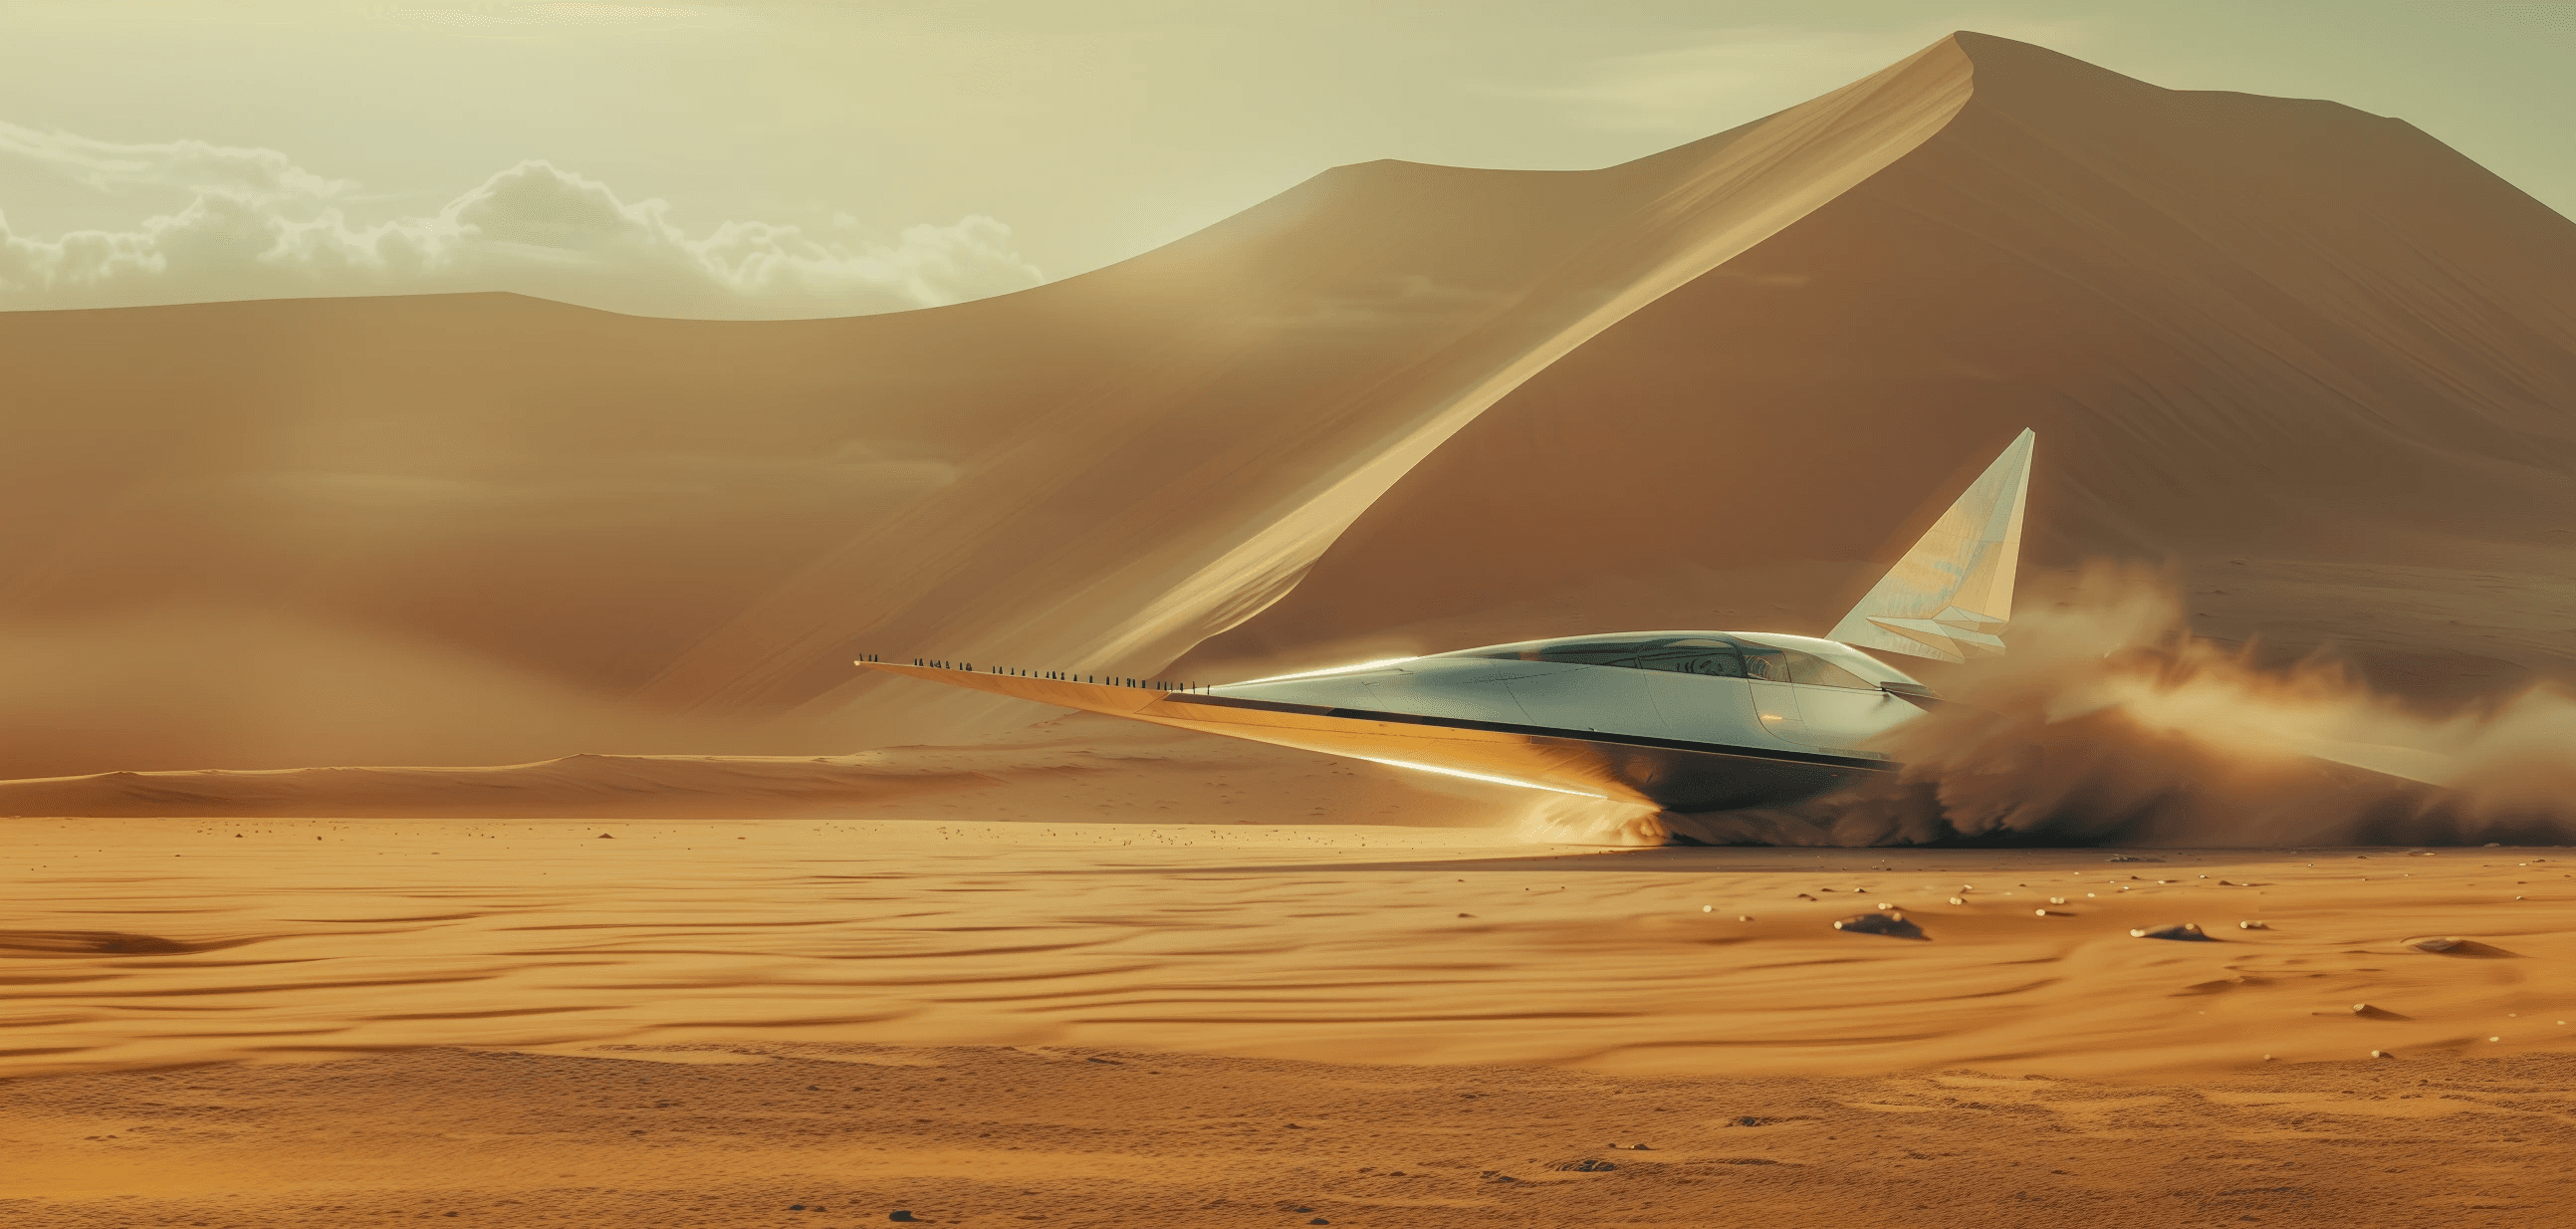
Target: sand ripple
[[139, 942]]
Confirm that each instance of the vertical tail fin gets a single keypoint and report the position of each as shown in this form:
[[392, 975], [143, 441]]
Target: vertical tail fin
[[1949, 595]]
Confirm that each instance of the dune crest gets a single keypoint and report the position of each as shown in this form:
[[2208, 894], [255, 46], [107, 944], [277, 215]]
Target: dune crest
[[2310, 354]]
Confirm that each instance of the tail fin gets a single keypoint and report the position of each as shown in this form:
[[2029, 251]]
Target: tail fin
[[1949, 595]]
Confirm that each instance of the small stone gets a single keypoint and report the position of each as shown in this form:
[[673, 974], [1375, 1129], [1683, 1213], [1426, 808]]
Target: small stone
[[2361, 1009], [605, 837], [2253, 926], [2432, 943], [1744, 917], [901, 1215], [1319, 1221], [2379, 1053], [1587, 1167], [1893, 925], [1957, 900], [2186, 932], [1708, 908]]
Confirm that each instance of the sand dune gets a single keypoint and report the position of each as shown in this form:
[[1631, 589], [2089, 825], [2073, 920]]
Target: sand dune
[[2310, 353], [1075, 769]]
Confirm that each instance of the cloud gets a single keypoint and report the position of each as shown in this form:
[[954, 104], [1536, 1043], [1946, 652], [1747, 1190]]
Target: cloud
[[1727, 77], [256, 225], [254, 174]]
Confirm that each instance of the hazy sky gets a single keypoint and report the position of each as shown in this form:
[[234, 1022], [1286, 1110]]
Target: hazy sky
[[699, 157]]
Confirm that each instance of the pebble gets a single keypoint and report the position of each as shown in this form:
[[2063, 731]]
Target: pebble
[[1587, 1167], [2184, 931], [2432, 943], [901, 1215], [2253, 926]]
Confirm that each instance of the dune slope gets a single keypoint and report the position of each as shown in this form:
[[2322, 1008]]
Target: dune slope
[[1428, 405], [2315, 356]]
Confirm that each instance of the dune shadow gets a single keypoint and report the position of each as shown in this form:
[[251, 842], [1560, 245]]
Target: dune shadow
[[104, 943], [2471, 949]]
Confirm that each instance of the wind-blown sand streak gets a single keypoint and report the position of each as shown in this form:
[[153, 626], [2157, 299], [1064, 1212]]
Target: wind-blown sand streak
[[138, 942]]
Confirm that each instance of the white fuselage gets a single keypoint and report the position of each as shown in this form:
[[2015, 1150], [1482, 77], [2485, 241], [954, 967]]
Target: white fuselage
[[1744, 713]]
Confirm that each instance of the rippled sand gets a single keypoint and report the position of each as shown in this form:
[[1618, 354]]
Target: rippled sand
[[765, 1134], [140, 942], [720, 1023]]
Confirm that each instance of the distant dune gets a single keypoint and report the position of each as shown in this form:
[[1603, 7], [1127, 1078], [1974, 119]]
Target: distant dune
[[2314, 358]]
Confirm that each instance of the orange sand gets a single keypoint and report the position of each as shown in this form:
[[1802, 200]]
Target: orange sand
[[2310, 357], [906, 1015], [767, 1134], [141, 942]]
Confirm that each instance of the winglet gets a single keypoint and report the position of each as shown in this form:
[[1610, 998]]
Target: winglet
[[1949, 595]]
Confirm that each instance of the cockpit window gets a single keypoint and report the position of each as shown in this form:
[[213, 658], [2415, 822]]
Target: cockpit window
[[1761, 661], [1817, 672], [1704, 654], [1716, 656], [1694, 655]]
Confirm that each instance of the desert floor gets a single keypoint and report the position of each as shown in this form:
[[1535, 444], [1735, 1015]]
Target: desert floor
[[293, 1022]]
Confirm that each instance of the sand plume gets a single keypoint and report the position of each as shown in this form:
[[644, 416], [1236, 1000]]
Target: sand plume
[[2111, 723]]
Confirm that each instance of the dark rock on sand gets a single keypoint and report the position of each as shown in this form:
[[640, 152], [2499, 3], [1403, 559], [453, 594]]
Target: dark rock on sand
[[2188, 932], [1893, 925]]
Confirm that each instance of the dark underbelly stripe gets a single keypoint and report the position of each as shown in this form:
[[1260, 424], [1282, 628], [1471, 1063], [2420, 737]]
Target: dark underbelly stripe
[[1499, 727]]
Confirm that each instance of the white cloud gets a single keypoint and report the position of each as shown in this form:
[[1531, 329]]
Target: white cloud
[[256, 225], [1728, 77], [259, 174]]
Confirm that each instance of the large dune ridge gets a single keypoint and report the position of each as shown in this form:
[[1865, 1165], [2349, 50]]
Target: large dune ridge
[[709, 929], [2310, 359]]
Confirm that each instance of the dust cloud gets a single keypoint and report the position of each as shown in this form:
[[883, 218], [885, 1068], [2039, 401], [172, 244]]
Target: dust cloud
[[2110, 723]]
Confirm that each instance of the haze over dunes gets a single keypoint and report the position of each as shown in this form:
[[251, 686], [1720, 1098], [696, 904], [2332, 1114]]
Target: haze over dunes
[[663, 913], [1714, 386]]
